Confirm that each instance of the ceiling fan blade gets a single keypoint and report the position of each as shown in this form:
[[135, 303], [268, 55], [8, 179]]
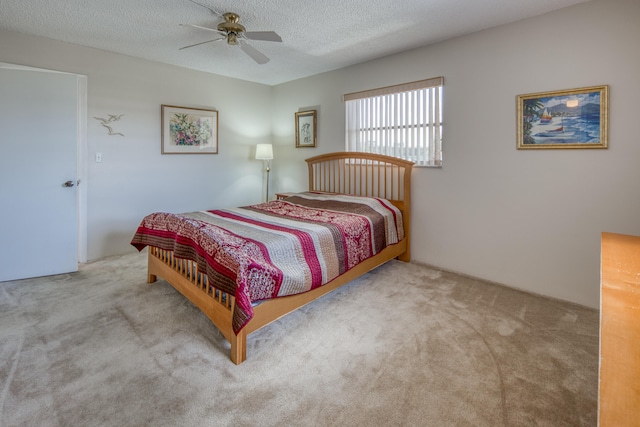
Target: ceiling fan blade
[[256, 55], [268, 36], [222, 33], [207, 7], [198, 44]]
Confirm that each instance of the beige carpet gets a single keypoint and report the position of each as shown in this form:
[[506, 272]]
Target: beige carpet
[[403, 345]]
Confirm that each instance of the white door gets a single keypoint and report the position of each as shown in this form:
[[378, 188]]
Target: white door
[[38, 155]]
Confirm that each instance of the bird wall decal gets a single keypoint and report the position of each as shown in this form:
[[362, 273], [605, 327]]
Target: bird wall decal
[[112, 118]]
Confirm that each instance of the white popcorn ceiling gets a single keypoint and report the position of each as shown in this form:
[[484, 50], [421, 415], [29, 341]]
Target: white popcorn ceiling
[[318, 35]]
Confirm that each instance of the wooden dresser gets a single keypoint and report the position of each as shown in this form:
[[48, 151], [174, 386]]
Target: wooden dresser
[[619, 390]]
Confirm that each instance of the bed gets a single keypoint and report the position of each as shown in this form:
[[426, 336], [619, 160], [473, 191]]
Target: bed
[[230, 263]]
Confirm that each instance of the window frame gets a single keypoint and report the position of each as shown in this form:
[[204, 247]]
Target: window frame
[[403, 121]]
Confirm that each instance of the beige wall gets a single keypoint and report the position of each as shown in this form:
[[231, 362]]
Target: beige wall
[[529, 219]]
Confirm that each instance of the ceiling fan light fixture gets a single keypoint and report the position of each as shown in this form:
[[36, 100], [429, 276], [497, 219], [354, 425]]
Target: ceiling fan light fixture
[[236, 35], [230, 23]]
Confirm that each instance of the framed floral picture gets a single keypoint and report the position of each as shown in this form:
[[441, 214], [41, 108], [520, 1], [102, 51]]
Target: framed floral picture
[[189, 130], [574, 118], [306, 128]]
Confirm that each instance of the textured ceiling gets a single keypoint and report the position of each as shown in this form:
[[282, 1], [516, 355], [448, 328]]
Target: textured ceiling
[[318, 36]]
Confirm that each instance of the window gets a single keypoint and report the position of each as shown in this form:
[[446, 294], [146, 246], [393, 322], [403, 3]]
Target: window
[[402, 121]]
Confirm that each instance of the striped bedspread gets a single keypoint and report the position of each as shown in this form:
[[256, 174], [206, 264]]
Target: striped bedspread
[[278, 248]]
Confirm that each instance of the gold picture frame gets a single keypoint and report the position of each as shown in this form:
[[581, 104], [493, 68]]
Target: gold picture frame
[[574, 118], [306, 122], [189, 130]]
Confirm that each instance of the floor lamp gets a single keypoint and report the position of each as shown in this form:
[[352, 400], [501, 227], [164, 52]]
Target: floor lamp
[[265, 152]]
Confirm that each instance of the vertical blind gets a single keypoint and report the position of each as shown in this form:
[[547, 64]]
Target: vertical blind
[[402, 121]]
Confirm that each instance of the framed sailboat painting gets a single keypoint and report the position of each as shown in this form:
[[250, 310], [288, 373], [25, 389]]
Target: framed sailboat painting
[[574, 118]]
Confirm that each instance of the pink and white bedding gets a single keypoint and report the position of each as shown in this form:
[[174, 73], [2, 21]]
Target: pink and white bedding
[[279, 248]]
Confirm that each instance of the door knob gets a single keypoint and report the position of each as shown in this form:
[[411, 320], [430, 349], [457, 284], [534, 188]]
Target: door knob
[[68, 184]]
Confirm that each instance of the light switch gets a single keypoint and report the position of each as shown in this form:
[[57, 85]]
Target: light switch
[[98, 157]]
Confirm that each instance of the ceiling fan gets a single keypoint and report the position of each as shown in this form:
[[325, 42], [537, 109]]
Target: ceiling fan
[[235, 34]]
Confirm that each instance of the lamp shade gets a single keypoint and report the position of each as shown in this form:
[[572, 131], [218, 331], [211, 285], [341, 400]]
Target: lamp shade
[[264, 152]]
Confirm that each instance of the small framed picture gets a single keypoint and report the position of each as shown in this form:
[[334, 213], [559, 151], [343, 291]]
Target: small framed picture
[[189, 130], [306, 128], [575, 118]]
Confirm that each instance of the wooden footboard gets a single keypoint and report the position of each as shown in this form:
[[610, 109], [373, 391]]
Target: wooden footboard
[[186, 278], [358, 174], [218, 306]]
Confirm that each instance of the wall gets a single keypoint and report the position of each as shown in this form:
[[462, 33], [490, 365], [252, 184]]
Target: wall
[[529, 219], [134, 178]]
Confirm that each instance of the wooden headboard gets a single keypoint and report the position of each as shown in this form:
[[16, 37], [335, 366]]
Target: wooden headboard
[[365, 174]]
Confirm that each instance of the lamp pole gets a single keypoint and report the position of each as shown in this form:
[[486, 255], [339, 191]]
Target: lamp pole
[[265, 152], [268, 161]]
